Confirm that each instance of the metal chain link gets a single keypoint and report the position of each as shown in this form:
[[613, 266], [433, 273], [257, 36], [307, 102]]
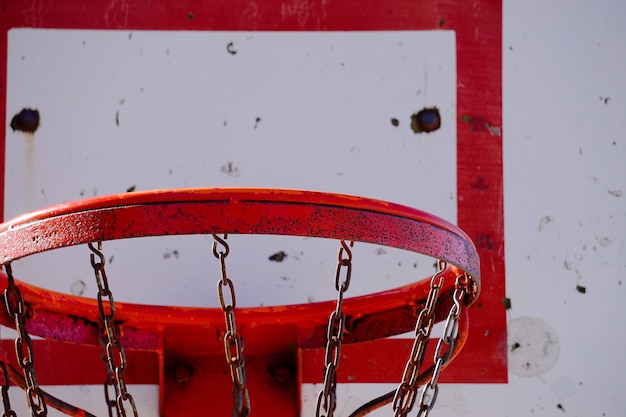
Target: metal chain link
[[110, 400], [450, 337], [406, 394], [114, 355], [327, 397], [23, 346], [233, 342], [8, 412]]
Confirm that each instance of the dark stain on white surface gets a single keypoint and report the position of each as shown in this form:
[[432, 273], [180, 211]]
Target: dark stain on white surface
[[537, 346], [278, 256], [426, 120], [78, 287], [170, 254], [230, 169], [544, 221], [26, 121]]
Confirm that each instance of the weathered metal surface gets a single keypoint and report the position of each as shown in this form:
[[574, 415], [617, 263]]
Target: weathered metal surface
[[241, 211]]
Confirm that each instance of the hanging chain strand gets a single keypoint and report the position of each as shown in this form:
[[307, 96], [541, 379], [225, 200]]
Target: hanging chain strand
[[327, 397], [112, 347], [23, 346], [110, 400], [8, 412], [450, 337], [407, 393], [233, 342]]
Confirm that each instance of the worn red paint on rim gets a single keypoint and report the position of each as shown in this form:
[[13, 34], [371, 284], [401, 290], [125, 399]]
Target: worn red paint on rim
[[240, 211], [249, 211]]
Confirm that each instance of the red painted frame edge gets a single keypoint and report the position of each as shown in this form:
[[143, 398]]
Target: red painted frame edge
[[478, 28]]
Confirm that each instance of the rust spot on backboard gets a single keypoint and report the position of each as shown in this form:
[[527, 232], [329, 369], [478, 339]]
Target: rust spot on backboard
[[26, 121], [426, 120]]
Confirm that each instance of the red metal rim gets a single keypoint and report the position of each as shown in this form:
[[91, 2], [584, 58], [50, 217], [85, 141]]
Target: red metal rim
[[235, 211]]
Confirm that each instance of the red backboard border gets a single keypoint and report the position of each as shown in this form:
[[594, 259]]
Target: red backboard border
[[478, 28]]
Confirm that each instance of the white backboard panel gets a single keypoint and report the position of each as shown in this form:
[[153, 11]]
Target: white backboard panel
[[150, 110]]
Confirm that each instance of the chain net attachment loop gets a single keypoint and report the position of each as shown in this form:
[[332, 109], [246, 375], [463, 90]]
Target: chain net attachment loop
[[407, 393], [233, 341], [327, 397], [24, 346], [113, 353], [449, 337]]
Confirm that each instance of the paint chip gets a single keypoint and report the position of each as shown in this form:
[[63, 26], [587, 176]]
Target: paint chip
[[278, 256]]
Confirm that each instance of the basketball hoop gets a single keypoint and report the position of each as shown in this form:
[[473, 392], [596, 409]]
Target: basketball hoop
[[267, 330]]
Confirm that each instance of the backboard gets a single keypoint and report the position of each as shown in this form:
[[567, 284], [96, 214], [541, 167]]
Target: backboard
[[307, 95]]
